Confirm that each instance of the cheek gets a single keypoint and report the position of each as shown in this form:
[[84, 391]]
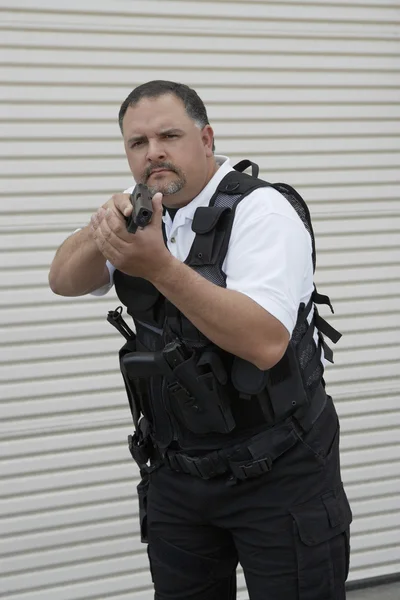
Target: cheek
[[191, 157], [136, 166]]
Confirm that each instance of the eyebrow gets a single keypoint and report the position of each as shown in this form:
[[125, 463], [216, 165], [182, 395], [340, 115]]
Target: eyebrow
[[141, 138]]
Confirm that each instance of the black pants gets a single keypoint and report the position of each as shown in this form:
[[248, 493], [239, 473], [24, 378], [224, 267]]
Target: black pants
[[288, 528]]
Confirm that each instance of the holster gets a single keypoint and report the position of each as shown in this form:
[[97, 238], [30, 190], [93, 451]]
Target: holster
[[199, 394], [197, 388], [133, 385], [147, 458]]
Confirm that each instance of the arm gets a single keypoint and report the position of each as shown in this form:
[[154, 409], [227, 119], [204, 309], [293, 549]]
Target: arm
[[231, 320], [79, 267], [228, 317]]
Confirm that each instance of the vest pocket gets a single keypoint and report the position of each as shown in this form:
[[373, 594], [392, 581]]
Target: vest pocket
[[321, 531]]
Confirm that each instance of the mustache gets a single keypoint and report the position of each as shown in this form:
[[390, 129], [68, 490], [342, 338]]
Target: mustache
[[161, 165]]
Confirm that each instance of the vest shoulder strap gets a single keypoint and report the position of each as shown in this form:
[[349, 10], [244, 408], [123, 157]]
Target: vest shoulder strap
[[213, 224]]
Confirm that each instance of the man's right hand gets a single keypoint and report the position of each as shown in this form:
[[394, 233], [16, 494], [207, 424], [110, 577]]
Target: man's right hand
[[119, 204]]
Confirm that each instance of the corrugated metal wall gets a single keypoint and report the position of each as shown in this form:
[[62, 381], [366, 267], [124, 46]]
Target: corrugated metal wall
[[308, 90]]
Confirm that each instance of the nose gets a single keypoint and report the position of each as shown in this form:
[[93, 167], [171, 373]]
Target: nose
[[155, 150]]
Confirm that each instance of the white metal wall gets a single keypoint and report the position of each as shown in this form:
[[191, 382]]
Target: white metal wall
[[308, 90]]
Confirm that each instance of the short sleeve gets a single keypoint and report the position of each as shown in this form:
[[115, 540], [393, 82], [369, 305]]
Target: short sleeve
[[107, 287], [270, 260]]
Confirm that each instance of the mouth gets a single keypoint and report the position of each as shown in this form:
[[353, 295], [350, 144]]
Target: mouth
[[158, 171]]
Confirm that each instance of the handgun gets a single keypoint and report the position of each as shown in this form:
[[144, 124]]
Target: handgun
[[142, 208], [175, 354]]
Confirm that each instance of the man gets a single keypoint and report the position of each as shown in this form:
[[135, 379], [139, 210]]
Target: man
[[245, 461]]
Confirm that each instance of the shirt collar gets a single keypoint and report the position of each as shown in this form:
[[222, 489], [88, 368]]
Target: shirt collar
[[203, 199]]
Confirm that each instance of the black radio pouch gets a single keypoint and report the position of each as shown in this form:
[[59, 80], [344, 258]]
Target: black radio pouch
[[280, 390]]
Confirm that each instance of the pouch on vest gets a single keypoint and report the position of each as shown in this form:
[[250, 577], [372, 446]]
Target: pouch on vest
[[201, 401], [283, 382]]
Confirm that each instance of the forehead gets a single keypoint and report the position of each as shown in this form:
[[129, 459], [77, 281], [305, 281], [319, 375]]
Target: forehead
[[154, 114]]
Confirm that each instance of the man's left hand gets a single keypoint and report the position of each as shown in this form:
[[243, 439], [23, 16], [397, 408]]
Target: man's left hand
[[142, 254]]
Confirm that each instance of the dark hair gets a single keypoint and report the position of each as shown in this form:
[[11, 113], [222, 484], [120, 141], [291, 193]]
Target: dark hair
[[153, 89]]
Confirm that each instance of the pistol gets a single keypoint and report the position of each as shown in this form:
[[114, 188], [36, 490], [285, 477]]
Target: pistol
[[175, 354], [142, 208]]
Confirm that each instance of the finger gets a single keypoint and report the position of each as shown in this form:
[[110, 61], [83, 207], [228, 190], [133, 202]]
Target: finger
[[96, 218], [107, 242], [118, 226], [157, 209], [123, 203]]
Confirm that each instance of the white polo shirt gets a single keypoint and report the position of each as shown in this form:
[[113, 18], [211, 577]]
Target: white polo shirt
[[269, 257]]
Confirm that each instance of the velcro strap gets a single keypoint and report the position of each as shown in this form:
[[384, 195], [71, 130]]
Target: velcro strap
[[248, 470], [304, 311], [327, 329], [265, 448], [306, 417], [245, 164], [321, 299], [205, 467], [277, 441], [328, 354]]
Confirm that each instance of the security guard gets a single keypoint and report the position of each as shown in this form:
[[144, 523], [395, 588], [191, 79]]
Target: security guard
[[235, 436]]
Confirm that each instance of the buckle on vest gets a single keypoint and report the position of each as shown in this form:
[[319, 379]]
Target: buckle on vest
[[252, 469], [205, 467]]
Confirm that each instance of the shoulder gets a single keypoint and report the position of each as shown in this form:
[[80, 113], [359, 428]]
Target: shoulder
[[265, 209], [266, 201]]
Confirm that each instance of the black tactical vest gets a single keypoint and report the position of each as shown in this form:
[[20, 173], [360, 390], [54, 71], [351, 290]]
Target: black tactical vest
[[193, 395]]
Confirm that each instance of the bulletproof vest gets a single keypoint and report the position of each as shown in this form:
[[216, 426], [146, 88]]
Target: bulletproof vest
[[206, 398]]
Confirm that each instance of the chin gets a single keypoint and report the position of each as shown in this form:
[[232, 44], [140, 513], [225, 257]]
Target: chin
[[167, 189]]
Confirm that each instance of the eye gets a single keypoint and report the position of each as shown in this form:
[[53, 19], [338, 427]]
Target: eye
[[138, 143]]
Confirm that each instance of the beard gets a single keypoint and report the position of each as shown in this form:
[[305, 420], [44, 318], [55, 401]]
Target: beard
[[167, 188]]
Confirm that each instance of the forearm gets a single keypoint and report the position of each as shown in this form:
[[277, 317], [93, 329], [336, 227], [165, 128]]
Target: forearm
[[78, 266], [231, 320]]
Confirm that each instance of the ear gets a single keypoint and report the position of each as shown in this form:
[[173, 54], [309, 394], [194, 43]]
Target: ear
[[207, 136]]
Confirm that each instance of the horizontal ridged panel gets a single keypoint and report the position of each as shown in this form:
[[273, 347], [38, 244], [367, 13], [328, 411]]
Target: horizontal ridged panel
[[227, 129], [177, 40], [258, 16], [95, 94], [47, 75], [339, 162], [101, 59]]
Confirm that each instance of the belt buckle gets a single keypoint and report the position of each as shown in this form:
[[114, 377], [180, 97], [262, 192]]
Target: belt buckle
[[200, 466], [255, 468]]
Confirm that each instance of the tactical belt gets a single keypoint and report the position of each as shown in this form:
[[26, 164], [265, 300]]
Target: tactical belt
[[245, 460]]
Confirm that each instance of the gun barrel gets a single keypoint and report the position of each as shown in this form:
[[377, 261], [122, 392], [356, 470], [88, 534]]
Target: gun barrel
[[142, 208]]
